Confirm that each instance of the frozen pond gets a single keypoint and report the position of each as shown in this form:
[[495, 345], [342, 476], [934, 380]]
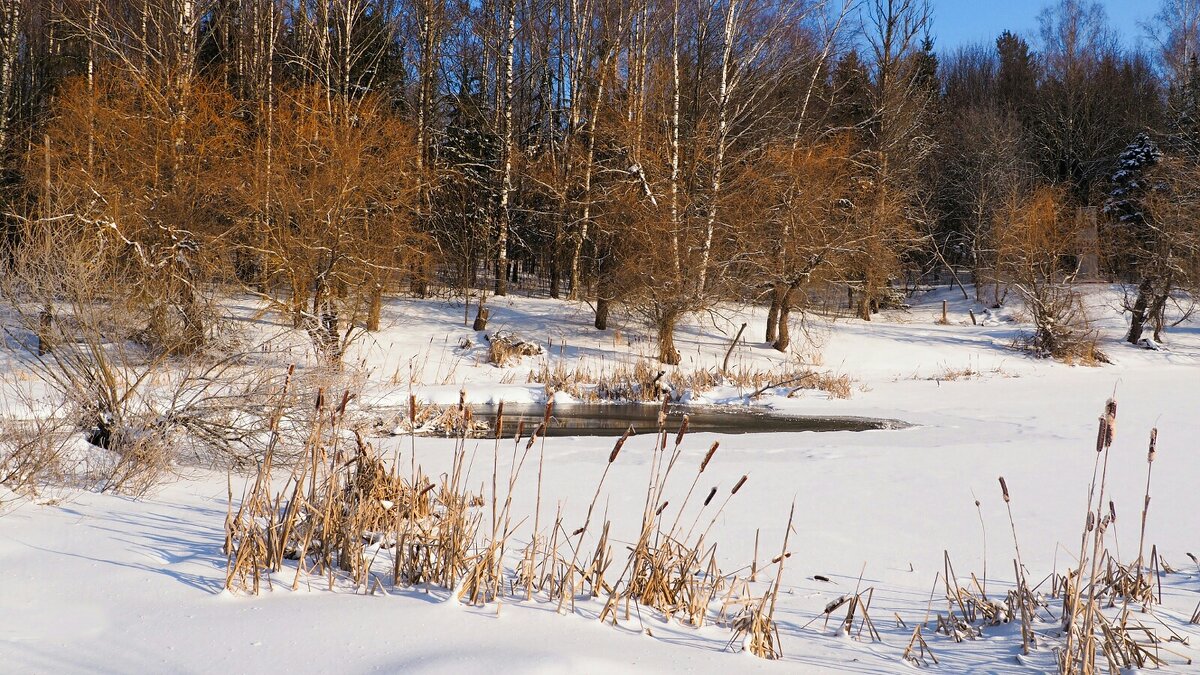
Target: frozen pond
[[611, 419]]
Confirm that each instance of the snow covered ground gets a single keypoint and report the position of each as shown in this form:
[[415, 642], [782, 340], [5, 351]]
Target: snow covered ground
[[102, 583]]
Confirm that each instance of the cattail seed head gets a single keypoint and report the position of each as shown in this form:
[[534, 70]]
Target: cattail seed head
[[612, 457], [549, 412], [1112, 511], [1101, 434], [541, 428], [661, 509], [739, 485], [1110, 415], [1153, 445], [711, 493], [1091, 521], [683, 427], [520, 430], [320, 399], [711, 451], [499, 419], [412, 409], [1004, 489]]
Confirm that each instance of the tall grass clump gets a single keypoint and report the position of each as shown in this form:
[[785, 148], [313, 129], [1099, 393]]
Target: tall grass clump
[[349, 518]]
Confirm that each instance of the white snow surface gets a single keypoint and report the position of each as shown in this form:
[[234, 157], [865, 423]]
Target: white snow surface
[[102, 583]]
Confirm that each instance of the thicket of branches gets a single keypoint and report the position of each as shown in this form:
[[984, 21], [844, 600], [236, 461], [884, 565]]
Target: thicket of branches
[[656, 154]]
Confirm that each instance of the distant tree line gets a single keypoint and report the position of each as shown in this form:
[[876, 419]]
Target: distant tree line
[[655, 154]]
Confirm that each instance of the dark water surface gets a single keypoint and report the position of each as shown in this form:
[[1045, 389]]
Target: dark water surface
[[585, 419]]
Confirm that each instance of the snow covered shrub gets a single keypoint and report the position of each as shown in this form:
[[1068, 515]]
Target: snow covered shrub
[[504, 348], [140, 406], [1037, 243], [140, 459], [35, 454]]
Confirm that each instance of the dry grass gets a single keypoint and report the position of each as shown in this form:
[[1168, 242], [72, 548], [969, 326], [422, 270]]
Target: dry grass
[[347, 518], [645, 380], [1104, 607], [505, 348]]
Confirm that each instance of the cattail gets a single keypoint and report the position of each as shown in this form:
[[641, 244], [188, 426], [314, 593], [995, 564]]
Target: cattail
[[499, 419], [1153, 445], [683, 427], [1091, 521], [739, 485], [661, 508], [1110, 414], [462, 399], [541, 428], [346, 396], [320, 399], [711, 451], [1101, 434], [1004, 489], [549, 412], [612, 457], [412, 409], [520, 430], [1112, 511], [711, 493]]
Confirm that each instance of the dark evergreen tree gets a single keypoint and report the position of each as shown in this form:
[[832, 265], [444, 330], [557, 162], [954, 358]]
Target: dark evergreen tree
[[851, 93], [1016, 76], [1129, 182]]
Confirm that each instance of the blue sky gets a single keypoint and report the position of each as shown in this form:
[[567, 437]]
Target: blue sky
[[959, 22]]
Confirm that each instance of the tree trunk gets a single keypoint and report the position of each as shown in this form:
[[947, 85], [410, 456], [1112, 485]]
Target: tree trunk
[[784, 339], [604, 280], [602, 306], [45, 326], [667, 353], [723, 97], [330, 338], [1138, 320], [375, 310], [552, 266], [1158, 311], [481, 317], [773, 317], [506, 186], [297, 307], [193, 322]]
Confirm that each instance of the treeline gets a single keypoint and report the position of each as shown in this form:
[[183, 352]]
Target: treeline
[[660, 154]]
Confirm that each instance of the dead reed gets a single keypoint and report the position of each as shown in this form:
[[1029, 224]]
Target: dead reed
[[645, 380]]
